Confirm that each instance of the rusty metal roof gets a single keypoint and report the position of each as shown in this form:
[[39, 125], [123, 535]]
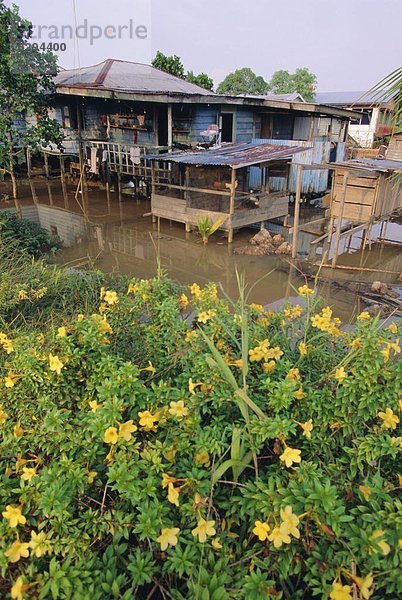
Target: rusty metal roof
[[231, 155]]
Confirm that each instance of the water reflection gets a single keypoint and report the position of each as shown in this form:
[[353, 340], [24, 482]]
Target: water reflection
[[120, 237]]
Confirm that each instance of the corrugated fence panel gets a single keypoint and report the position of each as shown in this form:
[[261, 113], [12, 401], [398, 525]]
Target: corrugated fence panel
[[314, 181]]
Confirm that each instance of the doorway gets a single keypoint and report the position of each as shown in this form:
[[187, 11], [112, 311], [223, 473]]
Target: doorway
[[227, 122], [162, 125]]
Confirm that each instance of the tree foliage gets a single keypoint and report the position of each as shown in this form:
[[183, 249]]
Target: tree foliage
[[174, 66], [26, 83], [302, 81], [243, 81], [203, 80]]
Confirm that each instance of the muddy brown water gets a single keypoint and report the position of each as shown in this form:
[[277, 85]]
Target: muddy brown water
[[120, 237]]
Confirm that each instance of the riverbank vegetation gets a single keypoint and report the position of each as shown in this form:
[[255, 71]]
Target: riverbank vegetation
[[168, 442]]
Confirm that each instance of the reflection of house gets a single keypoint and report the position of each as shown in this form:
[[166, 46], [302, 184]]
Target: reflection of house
[[128, 105], [375, 114]]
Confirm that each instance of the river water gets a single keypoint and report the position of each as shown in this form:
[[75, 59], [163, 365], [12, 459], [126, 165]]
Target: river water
[[120, 237]]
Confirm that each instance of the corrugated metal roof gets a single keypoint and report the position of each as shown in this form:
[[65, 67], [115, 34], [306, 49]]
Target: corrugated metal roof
[[232, 155], [129, 77], [371, 164], [349, 98]]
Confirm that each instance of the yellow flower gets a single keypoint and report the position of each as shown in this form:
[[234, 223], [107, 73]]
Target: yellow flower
[[10, 380], [290, 456], [61, 332], [18, 589], [340, 592], [340, 375], [126, 429], [203, 530], [177, 409], [184, 300], [147, 420], [28, 473], [303, 349], [307, 428], [269, 366], [393, 328], [18, 430], [173, 494], [388, 347], [261, 530], [293, 374], [356, 343], [205, 316], [94, 405], [39, 543], [91, 476], [304, 290], [168, 537], [279, 536], [385, 547], [290, 521], [202, 458], [364, 585], [363, 316], [193, 385], [16, 551], [366, 491], [274, 353], [195, 290], [299, 394], [166, 479], [111, 436], [390, 420], [3, 415], [14, 515], [55, 364], [6, 343], [23, 295], [150, 368], [216, 544], [258, 308], [110, 297]]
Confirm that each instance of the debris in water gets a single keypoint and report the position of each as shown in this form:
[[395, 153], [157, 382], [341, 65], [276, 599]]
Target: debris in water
[[263, 243]]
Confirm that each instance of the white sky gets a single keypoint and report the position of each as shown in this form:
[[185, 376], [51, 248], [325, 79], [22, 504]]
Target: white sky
[[348, 44]]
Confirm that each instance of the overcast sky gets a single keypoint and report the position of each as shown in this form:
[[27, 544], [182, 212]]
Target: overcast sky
[[348, 44]]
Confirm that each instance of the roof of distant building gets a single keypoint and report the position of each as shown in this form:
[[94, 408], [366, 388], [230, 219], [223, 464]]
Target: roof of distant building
[[350, 98]]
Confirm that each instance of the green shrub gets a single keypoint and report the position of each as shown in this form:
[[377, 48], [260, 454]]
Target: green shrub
[[248, 454], [29, 236]]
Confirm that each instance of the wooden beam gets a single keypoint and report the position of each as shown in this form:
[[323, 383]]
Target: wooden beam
[[194, 189], [340, 216], [297, 211], [170, 126], [232, 201]]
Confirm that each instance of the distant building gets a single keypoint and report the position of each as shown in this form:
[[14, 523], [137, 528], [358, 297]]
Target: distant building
[[375, 115]]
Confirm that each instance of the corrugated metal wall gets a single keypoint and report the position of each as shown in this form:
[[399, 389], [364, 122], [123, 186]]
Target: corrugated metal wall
[[314, 181]]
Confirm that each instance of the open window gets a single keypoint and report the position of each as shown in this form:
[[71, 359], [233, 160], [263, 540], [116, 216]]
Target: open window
[[227, 127]]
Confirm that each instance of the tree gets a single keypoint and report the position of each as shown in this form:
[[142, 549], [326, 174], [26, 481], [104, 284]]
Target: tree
[[26, 84], [203, 80], [243, 81], [169, 64], [302, 81]]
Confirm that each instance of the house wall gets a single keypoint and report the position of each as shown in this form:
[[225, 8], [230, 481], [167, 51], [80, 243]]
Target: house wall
[[364, 134]]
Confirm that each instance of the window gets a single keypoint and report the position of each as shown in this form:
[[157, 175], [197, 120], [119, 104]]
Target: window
[[227, 120], [68, 117], [365, 119]]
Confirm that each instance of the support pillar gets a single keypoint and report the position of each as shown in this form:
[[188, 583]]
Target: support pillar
[[295, 234]]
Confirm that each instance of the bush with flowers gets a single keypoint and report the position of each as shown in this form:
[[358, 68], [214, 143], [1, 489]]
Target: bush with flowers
[[176, 444]]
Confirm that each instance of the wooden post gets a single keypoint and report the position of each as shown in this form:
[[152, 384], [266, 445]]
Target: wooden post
[[297, 211], [33, 192], [232, 203], [46, 160], [340, 216], [63, 180], [170, 127], [119, 186], [108, 196], [311, 130], [29, 161]]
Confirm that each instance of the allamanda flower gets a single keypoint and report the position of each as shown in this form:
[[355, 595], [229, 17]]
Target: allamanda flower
[[279, 536], [18, 589], [389, 419], [173, 494], [290, 456], [307, 428], [126, 430], [16, 551], [340, 374], [111, 436], [14, 515], [168, 537], [178, 409], [39, 543], [290, 521], [147, 420], [261, 530], [340, 592], [304, 290], [365, 585], [55, 364], [203, 530], [28, 473], [110, 297]]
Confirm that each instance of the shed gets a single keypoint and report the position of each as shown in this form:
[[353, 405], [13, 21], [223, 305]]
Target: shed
[[215, 183]]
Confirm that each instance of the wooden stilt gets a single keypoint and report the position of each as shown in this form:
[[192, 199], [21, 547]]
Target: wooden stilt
[[46, 161], [297, 211], [33, 191], [340, 216], [119, 186], [232, 203], [29, 161], [108, 196]]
